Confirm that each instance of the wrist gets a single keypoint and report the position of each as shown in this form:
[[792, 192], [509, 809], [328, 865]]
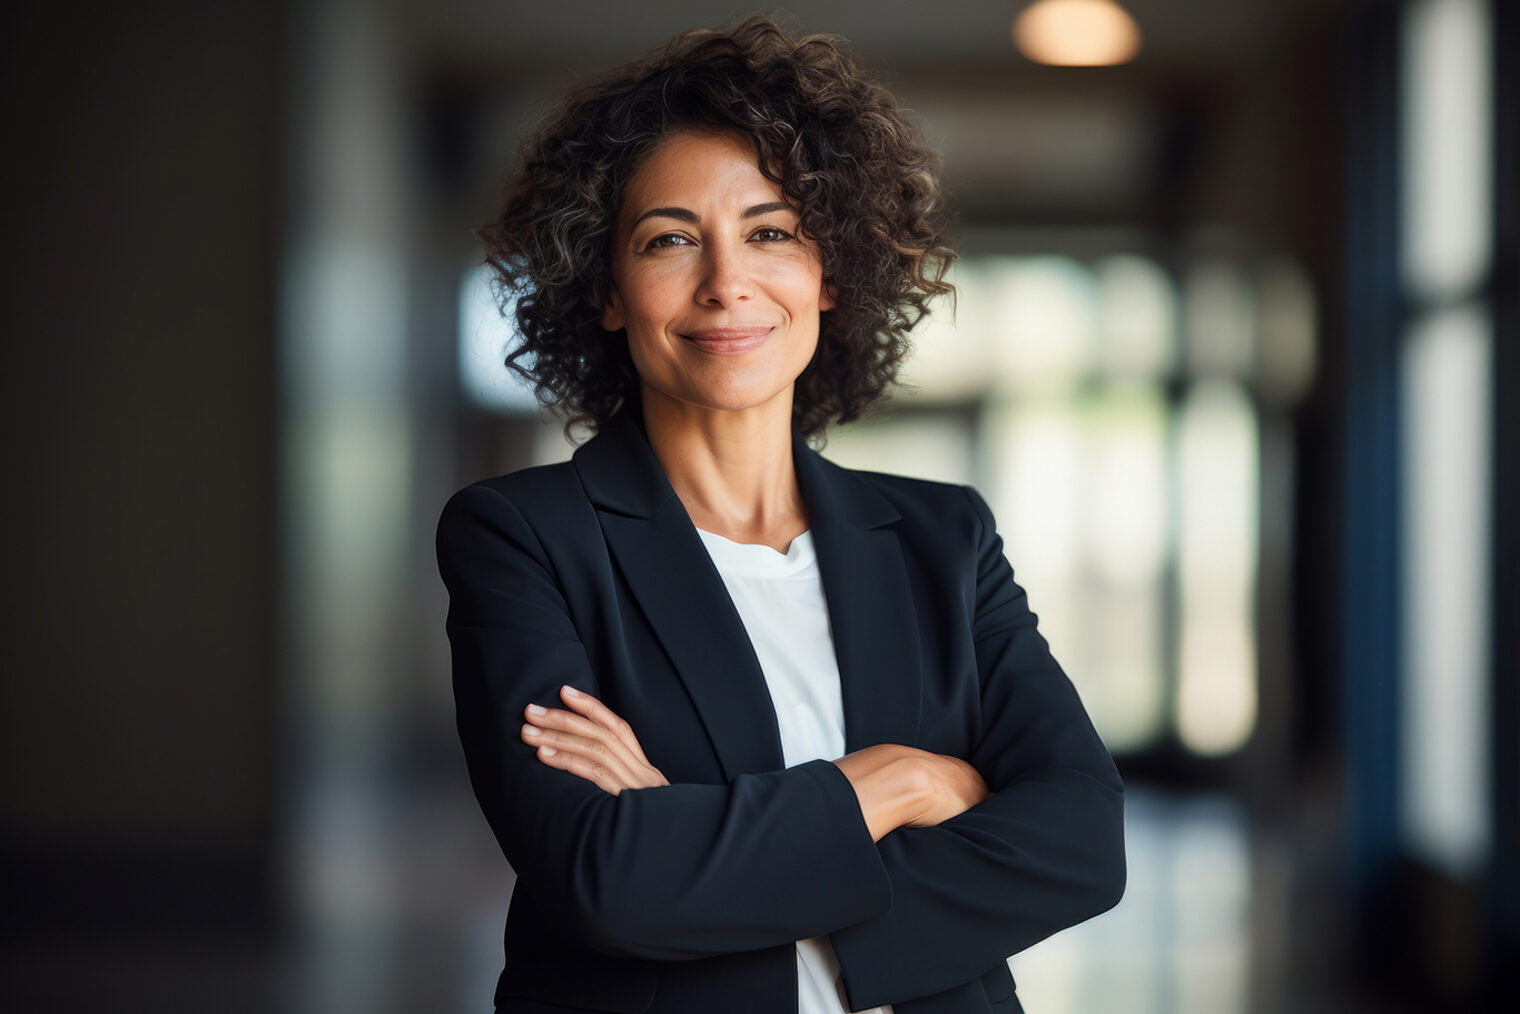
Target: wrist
[[894, 795], [913, 788]]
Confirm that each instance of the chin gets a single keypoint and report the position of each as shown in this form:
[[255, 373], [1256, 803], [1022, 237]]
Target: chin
[[730, 399]]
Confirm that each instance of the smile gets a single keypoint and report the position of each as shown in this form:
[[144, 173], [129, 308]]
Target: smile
[[729, 341]]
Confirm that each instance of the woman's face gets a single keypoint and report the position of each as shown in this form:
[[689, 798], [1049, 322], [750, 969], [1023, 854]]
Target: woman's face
[[718, 292]]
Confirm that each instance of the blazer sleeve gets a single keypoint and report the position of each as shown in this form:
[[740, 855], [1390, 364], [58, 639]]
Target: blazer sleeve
[[1043, 852], [672, 872]]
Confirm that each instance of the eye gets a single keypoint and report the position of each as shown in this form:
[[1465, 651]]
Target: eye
[[771, 234], [667, 239]]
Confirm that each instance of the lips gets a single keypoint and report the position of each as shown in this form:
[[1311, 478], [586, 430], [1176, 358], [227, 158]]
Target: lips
[[728, 340]]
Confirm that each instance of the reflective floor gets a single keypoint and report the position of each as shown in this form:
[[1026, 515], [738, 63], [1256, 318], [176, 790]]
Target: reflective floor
[[1180, 942], [403, 900]]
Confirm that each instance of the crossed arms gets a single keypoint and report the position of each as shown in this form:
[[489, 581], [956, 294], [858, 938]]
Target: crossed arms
[[924, 870]]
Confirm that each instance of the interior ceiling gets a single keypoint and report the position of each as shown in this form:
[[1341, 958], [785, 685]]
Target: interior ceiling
[[1021, 142], [546, 36]]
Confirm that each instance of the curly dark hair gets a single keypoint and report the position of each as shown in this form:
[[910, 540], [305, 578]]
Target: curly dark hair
[[863, 180]]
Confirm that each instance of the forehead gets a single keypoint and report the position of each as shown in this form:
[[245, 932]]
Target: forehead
[[692, 167]]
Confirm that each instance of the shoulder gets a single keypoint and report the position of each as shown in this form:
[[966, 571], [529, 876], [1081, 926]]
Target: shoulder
[[909, 491], [539, 499], [945, 508], [530, 488]]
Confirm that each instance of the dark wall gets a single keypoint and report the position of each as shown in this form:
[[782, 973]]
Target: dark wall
[[138, 702]]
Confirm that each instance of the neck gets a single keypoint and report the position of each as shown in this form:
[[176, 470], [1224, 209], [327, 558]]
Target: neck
[[733, 470]]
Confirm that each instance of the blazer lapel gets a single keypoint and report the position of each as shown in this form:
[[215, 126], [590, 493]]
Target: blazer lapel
[[870, 601], [683, 597], [872, 615]]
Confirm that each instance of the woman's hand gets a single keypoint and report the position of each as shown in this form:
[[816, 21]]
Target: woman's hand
[[903, 786], [954, 787], [590, 741]]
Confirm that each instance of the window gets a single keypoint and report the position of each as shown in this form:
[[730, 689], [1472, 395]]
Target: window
[[1113, 417]]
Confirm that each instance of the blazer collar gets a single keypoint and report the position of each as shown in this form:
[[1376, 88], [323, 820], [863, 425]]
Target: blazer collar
[[872, 612], [620, 473]]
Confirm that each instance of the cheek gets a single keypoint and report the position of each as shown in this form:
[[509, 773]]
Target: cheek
[[811, 349], [654, 293], [808, 285]]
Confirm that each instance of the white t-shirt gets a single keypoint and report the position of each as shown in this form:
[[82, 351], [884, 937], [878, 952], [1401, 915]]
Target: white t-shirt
[[780, 599]]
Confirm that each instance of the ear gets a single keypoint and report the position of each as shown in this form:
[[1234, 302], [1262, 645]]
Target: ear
[[827, 299], [613, 318]]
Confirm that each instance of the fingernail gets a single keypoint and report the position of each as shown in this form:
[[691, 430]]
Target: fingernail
[[531, 730], [534, 709], [547, 751], [571, 691]]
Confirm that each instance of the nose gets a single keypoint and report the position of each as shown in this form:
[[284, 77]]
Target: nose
[[725, 276]]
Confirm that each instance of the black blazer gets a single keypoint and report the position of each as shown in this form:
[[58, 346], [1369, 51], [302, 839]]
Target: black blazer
[[688, 897]]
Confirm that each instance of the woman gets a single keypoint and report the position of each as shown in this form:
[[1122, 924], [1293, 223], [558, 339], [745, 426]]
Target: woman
[[757, 733]]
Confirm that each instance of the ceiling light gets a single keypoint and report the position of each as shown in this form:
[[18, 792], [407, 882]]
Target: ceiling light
[[1076, 33]]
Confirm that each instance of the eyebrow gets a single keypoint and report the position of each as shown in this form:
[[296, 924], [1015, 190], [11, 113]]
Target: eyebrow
[[687, 215]]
